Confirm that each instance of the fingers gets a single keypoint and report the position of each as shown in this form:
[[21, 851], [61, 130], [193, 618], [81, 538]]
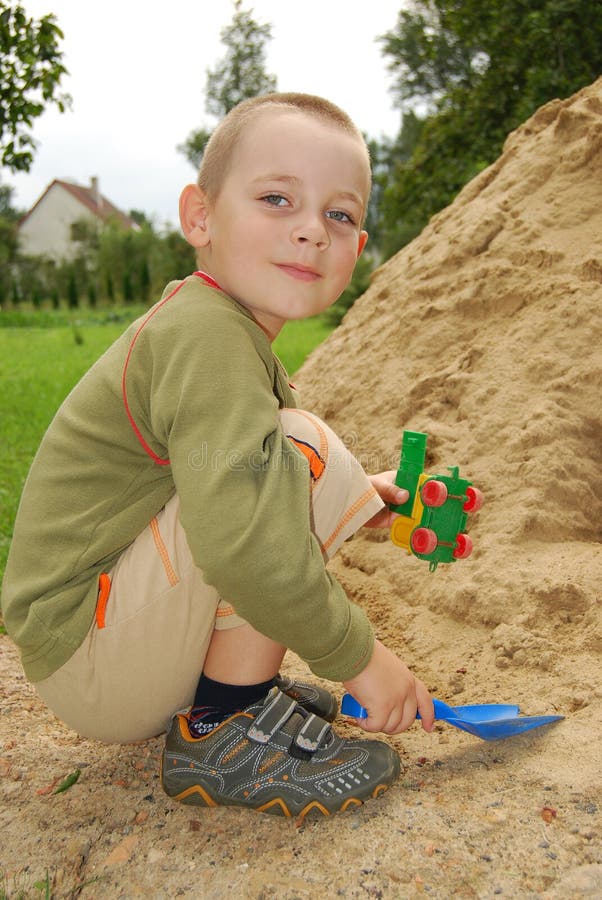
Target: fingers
[[383, 519], [396, 718], [390, 493], [375, 725], [425, 707], [391, 721], [384, 484]]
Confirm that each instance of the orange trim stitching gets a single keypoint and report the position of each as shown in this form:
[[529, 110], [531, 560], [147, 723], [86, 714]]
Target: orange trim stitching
[[162, 549], [320, 430], [361, 501], [224, 611], [137, 432], [104, 589]]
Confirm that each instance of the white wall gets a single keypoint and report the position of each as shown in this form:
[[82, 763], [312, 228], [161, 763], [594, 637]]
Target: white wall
[[47, 229]]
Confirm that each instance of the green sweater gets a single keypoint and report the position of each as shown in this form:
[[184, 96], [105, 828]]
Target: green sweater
[[185, 400]]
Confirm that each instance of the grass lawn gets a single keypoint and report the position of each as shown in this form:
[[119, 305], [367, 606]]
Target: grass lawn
[[297, 339], [38, 368]]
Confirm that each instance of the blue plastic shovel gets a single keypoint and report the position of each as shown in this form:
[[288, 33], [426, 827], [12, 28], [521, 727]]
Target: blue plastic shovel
[[489, 721]]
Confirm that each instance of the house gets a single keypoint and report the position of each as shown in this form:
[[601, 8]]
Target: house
[[53, 224]]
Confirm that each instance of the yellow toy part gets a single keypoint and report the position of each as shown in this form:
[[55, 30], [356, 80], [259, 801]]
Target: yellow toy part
[[403, 526]]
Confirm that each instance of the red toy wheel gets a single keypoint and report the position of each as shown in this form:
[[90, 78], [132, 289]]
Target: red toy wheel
[[423, 540], [463, 547], [433, 493], [474, 500]]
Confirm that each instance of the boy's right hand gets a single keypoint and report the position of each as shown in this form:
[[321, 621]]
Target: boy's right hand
[[391, 694]]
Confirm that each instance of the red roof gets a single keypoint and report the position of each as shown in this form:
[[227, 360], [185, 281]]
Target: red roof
[[92, 199]]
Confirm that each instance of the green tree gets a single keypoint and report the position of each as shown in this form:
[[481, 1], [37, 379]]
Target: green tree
[[137, 264], [239, 75], [385, 155], [357, 286], [8, 240], [30, 73], [476, 70]]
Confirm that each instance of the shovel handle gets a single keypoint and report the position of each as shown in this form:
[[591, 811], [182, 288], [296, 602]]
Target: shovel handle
[[350, 707]]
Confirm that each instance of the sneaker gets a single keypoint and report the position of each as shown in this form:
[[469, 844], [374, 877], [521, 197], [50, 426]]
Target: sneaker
[[277, 758], [314, 699]]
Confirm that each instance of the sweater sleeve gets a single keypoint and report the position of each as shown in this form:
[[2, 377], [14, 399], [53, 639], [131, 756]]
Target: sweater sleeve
[[244, 489]]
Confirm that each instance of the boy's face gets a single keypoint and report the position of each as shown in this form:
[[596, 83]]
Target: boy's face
[[284, 233]]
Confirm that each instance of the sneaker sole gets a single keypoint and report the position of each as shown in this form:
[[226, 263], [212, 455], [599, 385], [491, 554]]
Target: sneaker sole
[[197, 795]]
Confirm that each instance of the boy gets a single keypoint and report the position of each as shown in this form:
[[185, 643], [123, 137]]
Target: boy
[[173, 534]]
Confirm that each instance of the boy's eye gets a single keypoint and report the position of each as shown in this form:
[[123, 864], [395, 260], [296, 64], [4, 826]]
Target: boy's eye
[[339, 216], [275, 200]]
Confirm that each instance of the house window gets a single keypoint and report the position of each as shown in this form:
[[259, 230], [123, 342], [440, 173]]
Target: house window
[[80, 230]]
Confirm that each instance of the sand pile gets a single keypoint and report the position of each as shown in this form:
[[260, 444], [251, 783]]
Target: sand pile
[[486, 332]]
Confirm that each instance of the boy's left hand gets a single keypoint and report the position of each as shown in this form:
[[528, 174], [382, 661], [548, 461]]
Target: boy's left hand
[[385, 487]]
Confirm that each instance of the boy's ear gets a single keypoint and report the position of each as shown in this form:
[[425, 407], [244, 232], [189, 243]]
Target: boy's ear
[[193, 215], [363, 239]]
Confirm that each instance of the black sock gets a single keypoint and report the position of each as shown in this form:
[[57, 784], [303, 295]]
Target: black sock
[[214, 701]]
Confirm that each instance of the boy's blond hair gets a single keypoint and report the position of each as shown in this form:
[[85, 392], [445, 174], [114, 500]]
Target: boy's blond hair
[[220, 148]]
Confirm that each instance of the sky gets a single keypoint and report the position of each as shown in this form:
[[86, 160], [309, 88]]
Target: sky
[[137, 73]]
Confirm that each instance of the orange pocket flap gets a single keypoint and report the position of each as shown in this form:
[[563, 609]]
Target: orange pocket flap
[[104, 589]]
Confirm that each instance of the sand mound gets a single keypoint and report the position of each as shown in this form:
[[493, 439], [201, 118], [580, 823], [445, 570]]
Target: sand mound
[[485, 333]]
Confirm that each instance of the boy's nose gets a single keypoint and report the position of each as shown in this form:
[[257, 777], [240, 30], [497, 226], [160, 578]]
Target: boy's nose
[[312, 231]]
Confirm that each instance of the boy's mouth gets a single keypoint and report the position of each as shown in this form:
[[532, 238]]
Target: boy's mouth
[[301, 273]]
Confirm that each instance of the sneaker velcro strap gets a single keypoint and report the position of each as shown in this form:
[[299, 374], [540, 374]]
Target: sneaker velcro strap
[[271, 718], [311, 734]]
